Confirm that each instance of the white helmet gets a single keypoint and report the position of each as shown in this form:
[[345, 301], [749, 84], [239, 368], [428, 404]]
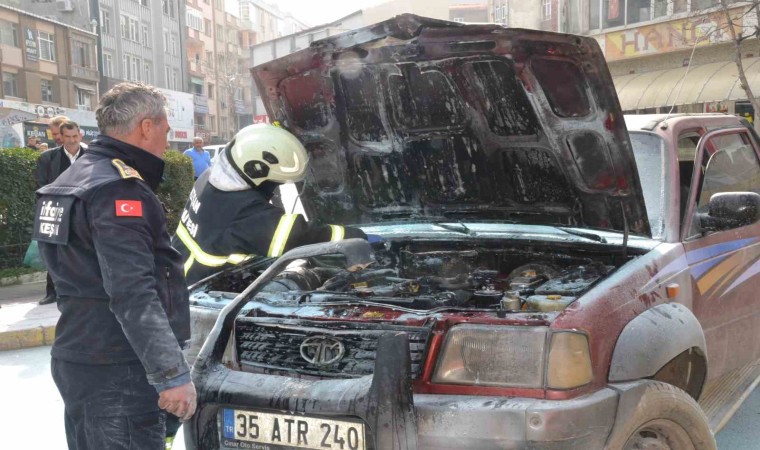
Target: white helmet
[[264, 152]]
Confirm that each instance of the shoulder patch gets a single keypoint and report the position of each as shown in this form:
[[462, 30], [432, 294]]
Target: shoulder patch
[[124, 170]]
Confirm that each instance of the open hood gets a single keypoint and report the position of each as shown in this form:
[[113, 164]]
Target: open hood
[[416, 118]]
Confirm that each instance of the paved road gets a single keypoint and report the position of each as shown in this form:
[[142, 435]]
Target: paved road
[[31, 415]]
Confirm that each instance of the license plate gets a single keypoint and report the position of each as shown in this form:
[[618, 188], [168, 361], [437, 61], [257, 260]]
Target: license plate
[[276, 431]]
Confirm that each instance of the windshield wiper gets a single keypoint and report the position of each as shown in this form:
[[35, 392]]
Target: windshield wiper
[[459, 227], [583, 234]]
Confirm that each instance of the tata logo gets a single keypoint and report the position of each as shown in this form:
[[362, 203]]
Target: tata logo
[[322, 350]]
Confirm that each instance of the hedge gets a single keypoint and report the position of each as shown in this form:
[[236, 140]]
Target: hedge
[[17, 198]]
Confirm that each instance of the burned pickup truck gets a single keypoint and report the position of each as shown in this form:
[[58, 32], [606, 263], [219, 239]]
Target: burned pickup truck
[[538, 283]]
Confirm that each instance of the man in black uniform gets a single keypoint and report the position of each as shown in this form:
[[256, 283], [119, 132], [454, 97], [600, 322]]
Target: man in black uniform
[[117, 358], [228, 217]]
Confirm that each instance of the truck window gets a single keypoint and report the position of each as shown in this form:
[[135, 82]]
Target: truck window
[[733, 167], [648, 150]]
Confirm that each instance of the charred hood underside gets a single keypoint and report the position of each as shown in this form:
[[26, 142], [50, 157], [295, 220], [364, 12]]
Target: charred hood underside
[[416, 118]]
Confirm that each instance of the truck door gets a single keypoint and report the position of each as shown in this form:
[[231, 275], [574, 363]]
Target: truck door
[[725, 264]]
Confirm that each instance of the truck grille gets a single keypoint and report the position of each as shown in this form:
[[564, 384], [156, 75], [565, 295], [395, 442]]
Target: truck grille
[[276, 348]]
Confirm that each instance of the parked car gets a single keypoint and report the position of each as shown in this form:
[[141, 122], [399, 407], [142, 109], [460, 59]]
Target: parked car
[[544, 281], [214, 151]]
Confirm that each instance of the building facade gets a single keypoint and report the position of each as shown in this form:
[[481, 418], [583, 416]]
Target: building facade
[[670, 55], [518, 13]]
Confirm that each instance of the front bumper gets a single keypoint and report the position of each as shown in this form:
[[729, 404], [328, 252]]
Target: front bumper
[[397, 420]]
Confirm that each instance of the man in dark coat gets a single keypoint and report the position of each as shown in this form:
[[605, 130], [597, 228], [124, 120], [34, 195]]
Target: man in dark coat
[[125, 315], [50, 165]]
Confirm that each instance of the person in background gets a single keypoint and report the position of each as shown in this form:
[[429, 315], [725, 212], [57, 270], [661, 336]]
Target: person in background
[[201, 158], [31, 143], [42, 147], [54, 125], [125, 315], [50, 165]]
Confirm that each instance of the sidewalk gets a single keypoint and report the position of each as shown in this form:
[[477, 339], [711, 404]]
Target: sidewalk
[[24, 323]]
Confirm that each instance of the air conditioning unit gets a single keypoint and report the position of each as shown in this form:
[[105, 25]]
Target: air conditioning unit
[[64, 5]]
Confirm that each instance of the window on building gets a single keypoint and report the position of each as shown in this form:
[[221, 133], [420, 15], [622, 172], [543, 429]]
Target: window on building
[[223, 125], [219, 33], [210, 91], [84, 99], [612, 13], [210, 59], [147, 72], [133, 30], [196, 88], [659, 8], [145, 36], [165, 6], [212, 122], [134, 69], [8, 33], [46, 89], [145, 2], [105, 22], [638, 11], [108, 65], [175, 80], [47, 46], [679, 6], [219, 4], [81, 54], [696, 5], [124, 26], [194, 20], [10, 84], [166, 41], [174, 47], [546, 9], [125, 67], [207, 27]]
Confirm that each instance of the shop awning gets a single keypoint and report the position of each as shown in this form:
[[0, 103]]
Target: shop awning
[[85, 87], [703, 83]]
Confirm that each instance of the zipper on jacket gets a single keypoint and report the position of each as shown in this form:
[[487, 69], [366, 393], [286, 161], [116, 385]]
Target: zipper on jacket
[[169, 300]]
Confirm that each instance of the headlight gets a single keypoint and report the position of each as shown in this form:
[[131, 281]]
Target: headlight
[[569, 361], [484, 355]]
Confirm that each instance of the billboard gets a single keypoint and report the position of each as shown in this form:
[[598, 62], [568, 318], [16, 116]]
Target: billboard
[[181, 113]]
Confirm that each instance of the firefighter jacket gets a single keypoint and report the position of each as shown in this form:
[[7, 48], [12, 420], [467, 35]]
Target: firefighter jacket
[[219, 229], [122, 295]]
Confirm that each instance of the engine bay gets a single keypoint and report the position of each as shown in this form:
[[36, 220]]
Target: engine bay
[[422, 275]]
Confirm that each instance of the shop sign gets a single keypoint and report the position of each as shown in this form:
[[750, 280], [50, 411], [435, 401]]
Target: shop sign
[[30, 44], [669, 36], [261, 119]]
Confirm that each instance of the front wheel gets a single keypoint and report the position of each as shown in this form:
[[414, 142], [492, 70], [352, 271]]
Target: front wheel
[[665, 418]]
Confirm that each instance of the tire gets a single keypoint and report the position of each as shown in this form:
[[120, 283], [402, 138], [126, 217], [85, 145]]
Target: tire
[[665, 418]]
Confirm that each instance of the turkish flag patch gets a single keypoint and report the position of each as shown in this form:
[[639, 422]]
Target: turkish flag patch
[[129, 208]]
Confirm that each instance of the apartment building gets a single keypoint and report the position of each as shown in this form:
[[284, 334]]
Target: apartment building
[[47, 68], [137, 40], [517, 14]]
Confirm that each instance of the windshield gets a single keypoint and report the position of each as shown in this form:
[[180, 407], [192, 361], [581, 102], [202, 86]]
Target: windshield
[[648, 149]]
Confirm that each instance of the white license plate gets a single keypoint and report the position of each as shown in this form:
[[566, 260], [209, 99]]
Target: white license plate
[[289, 431]]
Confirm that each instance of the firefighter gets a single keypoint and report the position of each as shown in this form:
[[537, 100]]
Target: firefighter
[[228, 217]]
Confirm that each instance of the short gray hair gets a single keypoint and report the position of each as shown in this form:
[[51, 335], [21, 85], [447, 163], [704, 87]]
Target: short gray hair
[[125, 105]]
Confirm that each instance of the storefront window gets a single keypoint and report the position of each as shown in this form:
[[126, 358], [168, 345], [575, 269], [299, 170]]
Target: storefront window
[[661, 8], [612, 13], [593, 17], [638, 10], [679, 6]]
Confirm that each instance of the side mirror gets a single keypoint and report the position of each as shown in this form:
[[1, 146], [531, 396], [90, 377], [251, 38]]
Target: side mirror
[[730, 210]]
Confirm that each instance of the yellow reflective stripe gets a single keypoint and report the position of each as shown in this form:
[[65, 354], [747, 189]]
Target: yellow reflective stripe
[[280, 238], [196, 254], [337, 233], [189, 264]]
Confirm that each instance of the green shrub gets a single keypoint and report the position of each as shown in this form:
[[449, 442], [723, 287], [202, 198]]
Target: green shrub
[[17, 198], [17, 185], [178, 181]]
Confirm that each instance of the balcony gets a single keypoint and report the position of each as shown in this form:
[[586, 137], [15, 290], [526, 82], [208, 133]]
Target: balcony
[[201, 103], [85, 73], [194, 38], [196, 68]]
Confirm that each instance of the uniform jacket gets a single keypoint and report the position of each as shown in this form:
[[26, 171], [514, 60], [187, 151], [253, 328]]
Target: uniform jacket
[[219, 229], [122, 295], [51, 164]]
